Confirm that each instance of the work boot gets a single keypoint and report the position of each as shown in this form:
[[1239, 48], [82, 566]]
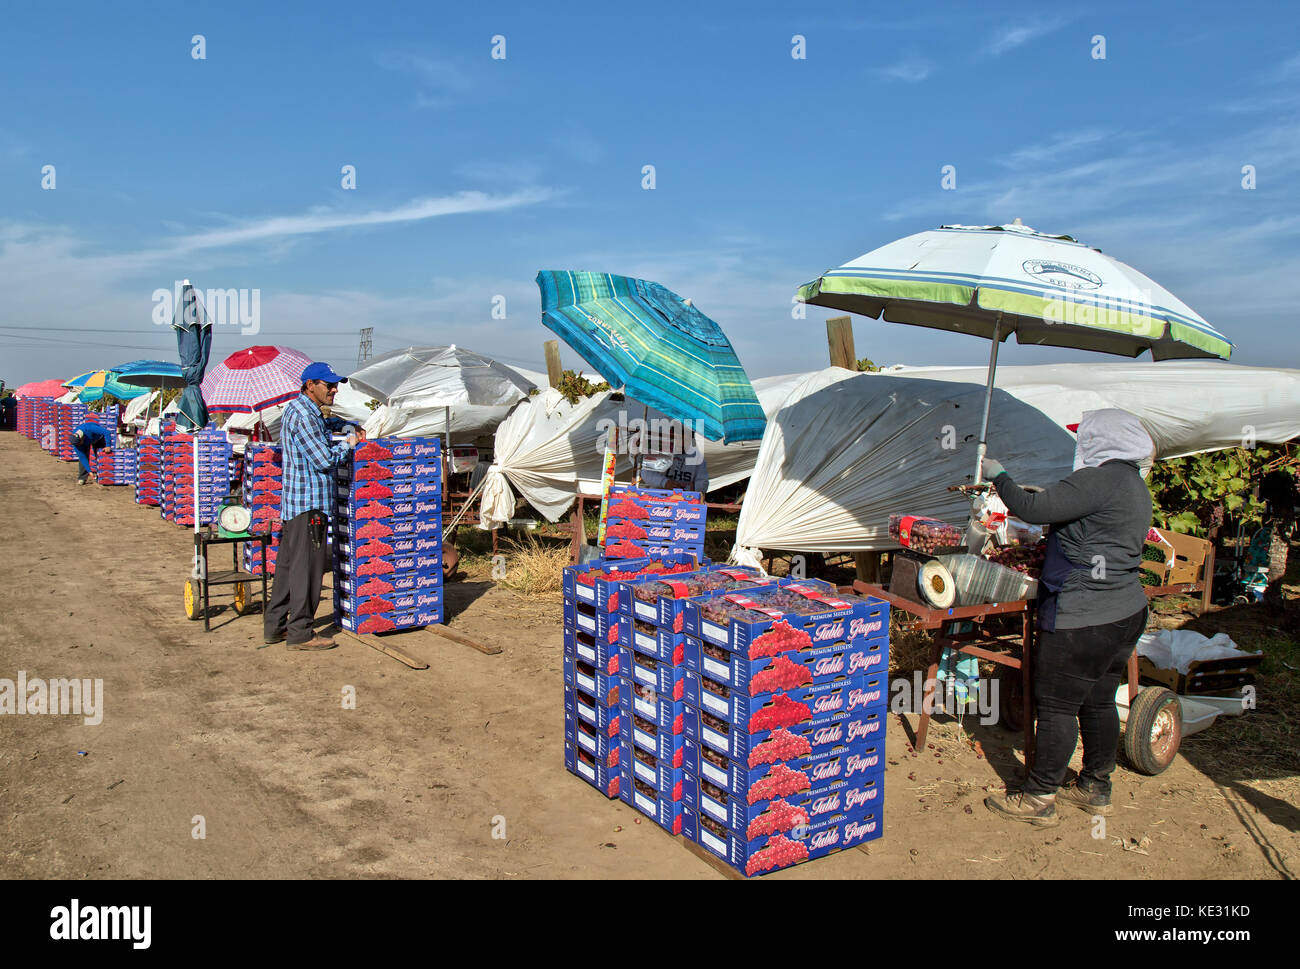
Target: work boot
[[319, 642], [1035, 809], [1085, 798]]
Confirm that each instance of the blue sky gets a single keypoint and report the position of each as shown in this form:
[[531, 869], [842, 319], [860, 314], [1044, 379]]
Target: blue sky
[[472, 173]]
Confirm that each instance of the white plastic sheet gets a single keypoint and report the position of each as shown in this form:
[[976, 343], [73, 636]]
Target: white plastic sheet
[[1177, 649], [846, 450], [546, 448]]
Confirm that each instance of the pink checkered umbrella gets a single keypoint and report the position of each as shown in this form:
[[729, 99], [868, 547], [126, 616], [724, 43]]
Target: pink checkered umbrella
[[254, 379]]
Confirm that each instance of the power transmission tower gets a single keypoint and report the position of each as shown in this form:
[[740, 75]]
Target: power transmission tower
[[363, 351]]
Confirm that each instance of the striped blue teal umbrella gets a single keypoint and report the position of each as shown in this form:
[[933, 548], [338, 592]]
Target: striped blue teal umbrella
[[656, 346]]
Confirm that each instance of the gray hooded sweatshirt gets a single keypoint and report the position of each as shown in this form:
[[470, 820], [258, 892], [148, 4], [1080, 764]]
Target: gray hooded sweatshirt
[[1100, 514]]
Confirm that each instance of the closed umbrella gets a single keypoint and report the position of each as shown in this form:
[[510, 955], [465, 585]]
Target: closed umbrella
[[992, 281], [193, 343]]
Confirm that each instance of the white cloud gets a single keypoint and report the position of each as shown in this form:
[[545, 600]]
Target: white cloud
[[439, 83], [912, 70], [1016, 35]]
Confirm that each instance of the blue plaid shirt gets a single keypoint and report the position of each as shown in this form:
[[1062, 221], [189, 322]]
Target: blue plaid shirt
[[308, 458]]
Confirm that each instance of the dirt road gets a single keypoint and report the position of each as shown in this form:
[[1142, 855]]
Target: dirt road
[[252, 747]]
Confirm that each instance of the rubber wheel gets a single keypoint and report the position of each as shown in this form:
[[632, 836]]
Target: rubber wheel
[[243, 600], [1011, 699], [1154, 730], [193, 599]]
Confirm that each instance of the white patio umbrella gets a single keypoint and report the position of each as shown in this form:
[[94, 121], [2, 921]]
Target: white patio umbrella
[[995, 280], [415, 382]]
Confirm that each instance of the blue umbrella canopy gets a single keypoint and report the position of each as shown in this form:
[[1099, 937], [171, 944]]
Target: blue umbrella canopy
[[194, 343], [150, 374], [658, 347]]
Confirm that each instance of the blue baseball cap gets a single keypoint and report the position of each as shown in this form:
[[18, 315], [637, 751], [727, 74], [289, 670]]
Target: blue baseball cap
[[322, 371]]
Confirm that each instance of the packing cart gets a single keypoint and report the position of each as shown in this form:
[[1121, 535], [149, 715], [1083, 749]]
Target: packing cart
[[232, 530]]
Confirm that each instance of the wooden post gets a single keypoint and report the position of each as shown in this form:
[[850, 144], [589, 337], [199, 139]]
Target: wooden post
[[554, 372], [839, 337], [839, 334]]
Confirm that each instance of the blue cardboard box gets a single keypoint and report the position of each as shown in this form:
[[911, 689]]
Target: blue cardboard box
[[610, 781], [818, 663], [847, 621]]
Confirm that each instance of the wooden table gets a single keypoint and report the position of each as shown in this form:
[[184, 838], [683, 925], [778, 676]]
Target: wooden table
[[973, 643]]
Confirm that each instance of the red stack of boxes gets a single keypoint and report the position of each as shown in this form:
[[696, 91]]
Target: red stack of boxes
[[148, 470], [387, 536], [68, 417], [647, 522], [179, 484], [263, 485], [788, 685]]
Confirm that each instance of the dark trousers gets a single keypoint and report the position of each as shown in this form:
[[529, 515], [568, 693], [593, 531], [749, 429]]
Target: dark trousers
[[1076, 674], [295, 593], [83, 455]]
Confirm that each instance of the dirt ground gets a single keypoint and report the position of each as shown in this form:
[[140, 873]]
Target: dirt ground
[[287, 783]]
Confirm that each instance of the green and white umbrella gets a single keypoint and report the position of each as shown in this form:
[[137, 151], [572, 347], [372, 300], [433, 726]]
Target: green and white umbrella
[[993, 281]]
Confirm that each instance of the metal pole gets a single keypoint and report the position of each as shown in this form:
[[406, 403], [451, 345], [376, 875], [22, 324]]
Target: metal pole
[[988, 399]]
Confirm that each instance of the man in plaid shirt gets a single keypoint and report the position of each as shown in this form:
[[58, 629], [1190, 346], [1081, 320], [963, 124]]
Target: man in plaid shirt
[[306, 505]]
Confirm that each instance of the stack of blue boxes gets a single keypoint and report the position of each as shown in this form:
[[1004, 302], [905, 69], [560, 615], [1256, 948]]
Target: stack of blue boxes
[[178, 482], [148, 469], [263, 479], [789, 687], [648, 522], [387, 536]]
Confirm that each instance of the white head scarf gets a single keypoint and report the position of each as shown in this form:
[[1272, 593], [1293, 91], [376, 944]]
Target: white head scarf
[[1112, 434]]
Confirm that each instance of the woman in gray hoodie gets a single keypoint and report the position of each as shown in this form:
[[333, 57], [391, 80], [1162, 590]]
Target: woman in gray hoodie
[[1091, 609]]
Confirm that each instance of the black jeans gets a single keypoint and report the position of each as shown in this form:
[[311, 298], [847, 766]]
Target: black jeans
[[295, 594], [1076, 674]]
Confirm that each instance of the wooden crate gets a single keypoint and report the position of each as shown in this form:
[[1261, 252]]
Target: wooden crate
[[1192, 570], [1204, 677]]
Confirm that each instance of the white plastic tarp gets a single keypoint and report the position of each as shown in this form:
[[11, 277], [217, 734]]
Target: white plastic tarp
[[729, 463], [546, 448], [845, 450]]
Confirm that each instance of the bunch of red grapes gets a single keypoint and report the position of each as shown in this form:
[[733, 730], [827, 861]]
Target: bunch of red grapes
[[781, 675], [375, 567], [373, 605], [780, 781], [372, 472], [375, 587], [626, 530], [780, 638], [370, 451], [624, 550], [374, 530], [779, 816], [627, 509], [779, 853], [376, 624], [781, 712], [781, 745], [375, 490]]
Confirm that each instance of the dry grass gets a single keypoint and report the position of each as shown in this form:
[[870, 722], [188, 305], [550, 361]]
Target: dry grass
[[533, 568]]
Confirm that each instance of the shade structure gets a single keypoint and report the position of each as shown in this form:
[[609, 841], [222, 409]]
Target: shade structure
[[150, 374], [1046, 289], [255, 378], [96, 384], [440, 376], [995, 280], [655, 345], [41, 388]]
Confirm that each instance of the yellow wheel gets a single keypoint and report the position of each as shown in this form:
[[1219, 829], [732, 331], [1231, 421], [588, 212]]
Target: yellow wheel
[[193, 599], [243, 600]]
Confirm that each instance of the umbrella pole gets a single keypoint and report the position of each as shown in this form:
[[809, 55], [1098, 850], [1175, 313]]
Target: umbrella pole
[[988, 399]]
